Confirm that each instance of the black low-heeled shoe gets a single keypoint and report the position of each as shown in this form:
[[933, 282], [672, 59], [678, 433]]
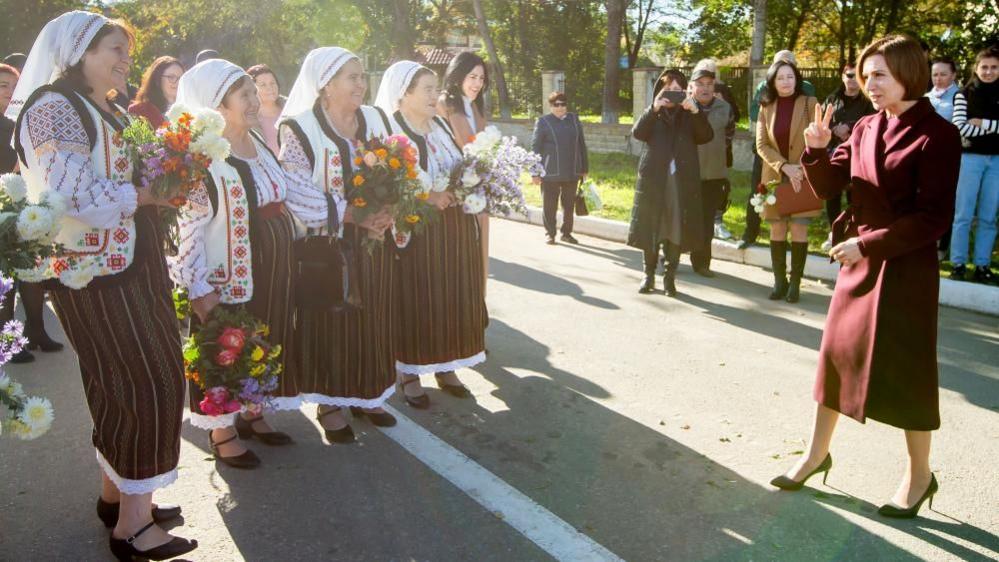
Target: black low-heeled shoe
[[344, 435], [124, 549], [421, 402], [248, 459], [46, 345], [21, 357], [380, 419], [789, 485], [456, 390], [244, 428], [895, 512], [108, 512]]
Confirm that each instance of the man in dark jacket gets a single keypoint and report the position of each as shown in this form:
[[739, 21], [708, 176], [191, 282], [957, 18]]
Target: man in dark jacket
[[558, 139], [667, 211]]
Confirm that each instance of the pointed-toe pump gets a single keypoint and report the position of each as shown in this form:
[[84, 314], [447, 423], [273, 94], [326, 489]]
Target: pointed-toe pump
[[787, 484]]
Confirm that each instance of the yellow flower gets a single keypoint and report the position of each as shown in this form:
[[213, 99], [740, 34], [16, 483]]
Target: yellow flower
[[358, 180], [258, 369], [423, 196], [381, 153], [257, 354], [412, 219], [359, 202], [394, 163], [275, 351]]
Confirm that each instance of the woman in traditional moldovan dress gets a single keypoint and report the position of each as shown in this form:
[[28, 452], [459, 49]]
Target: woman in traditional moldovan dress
[[346, 357], [441, 284], [109, 286], [235, 236]]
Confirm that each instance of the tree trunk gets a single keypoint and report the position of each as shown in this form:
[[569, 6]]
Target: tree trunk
[[612, 49], [404, 40], [504, 95], [759, 33]]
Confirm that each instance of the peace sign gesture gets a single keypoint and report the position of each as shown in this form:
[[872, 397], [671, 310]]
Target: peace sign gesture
[[818, 134]]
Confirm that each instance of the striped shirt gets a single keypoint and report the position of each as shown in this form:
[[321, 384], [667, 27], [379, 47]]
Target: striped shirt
[[960, 119]]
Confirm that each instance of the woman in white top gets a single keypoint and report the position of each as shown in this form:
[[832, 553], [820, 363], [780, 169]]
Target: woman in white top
[[235, 242], [441, 285]]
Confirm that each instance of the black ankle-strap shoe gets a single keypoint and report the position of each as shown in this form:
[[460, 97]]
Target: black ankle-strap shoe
[[124, 549], [108, 512]]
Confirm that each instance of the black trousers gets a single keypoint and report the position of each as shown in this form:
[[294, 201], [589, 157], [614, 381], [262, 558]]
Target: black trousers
[[552, 192], [752, 219], [713, 194], [671, 252]]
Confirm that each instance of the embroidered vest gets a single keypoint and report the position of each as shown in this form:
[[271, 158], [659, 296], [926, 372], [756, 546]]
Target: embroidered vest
[[330, 154], [227, 236], [107, 251]]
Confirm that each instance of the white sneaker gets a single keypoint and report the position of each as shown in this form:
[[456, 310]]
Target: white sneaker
[[827, 245], [721, 232]]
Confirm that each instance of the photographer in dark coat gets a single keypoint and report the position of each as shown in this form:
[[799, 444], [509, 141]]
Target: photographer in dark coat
[[667, 208]]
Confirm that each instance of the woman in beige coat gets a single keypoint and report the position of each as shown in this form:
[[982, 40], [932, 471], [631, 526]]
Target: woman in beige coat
[[784, 114]]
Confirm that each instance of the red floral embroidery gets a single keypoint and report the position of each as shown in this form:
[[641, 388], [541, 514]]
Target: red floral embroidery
[[239, 212], [121, 165], [236, 191], [336, 161], [238, 292], [116, 261], [121, 236], [240, 251], [338, 182], [240, 231], [91, 239], [117, 140], [241, 271], [219, 272], [59, 266]]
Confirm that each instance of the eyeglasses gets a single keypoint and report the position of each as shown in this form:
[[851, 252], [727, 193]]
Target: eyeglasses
[[171, 79], [850, 74], [559, 104]]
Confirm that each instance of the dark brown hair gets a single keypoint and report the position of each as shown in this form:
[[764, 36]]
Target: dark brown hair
[[770, 94], [670, 75], [261, 69], [906, 61], [454, 78], [151, 90], [74, 74], [990, 52], [557, 96]]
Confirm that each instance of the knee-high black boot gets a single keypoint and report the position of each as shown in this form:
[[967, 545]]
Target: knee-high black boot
[[799, 255], [672, 263], [649, 283], [778, 257]]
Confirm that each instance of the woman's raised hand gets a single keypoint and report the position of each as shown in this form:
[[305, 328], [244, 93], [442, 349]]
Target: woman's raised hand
[[818, 134]]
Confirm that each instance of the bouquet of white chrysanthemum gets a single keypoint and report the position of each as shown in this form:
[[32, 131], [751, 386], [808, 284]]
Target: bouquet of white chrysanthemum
[[766, 194], [488, 177], [27, 229], [25, 416]]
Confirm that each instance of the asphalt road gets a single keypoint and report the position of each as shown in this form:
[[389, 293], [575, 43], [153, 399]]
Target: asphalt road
[[604, 421]]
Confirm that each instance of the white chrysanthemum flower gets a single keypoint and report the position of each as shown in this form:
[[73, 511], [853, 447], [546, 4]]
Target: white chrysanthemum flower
[[175, 111], [78, 277], [440, 184], [37, 416], [16, 390], [771, 199], [5, 383], [469, 178], [474, 203], [212, 146], [34, 222], [33, 275], [55, 202], [208, 121], [14, 186]]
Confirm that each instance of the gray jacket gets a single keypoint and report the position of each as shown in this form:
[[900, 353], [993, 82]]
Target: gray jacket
[[562, 148], [712, 156]]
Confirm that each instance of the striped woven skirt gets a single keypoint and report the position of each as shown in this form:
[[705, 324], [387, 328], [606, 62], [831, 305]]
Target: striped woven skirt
[[348, 358], [441, 293], [124, 331], [272, 302]]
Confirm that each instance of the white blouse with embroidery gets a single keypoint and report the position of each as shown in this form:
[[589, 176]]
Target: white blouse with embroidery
[[189, 267], [55, 132], [297, 166]]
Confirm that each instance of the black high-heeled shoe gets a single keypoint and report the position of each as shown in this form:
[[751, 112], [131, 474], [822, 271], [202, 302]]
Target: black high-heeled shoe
[[895, 512], [124, 549], [785, 483], [248, 459], [421, 402], [669, 284], [108, 512], [344, 435], [244, 428], [380, 419], [456, 390]]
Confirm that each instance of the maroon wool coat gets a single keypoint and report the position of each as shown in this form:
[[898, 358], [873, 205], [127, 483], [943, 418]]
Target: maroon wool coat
[[878, 357]]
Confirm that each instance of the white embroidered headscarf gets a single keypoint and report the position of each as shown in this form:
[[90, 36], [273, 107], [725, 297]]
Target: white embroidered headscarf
[[204, 86], [396, 80], [318, 68], [60, 45]]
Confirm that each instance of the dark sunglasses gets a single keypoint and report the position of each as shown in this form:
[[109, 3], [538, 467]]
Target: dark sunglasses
[[850, 74], [559, 104]]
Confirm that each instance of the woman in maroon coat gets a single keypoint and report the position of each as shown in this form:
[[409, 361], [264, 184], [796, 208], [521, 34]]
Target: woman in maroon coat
[[878, 356]]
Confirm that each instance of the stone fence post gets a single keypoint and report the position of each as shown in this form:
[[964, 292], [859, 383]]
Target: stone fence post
[[551, 81], [643, 82], [374, 80]]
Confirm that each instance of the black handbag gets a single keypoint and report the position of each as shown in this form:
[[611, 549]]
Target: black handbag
[[580, 205], [323, 269]]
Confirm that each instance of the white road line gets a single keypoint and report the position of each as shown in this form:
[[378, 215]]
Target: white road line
[[540, 526]]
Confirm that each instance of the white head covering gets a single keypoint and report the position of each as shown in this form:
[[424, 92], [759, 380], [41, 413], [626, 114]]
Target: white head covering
[[785, 55], [318, 68], [396, 80], [60, 45], [204, 86]]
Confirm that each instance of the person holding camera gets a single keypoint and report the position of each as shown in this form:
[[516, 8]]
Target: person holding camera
[[667, 208]]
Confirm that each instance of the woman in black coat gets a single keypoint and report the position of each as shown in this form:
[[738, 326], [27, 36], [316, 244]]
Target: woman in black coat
[[667, 206]]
